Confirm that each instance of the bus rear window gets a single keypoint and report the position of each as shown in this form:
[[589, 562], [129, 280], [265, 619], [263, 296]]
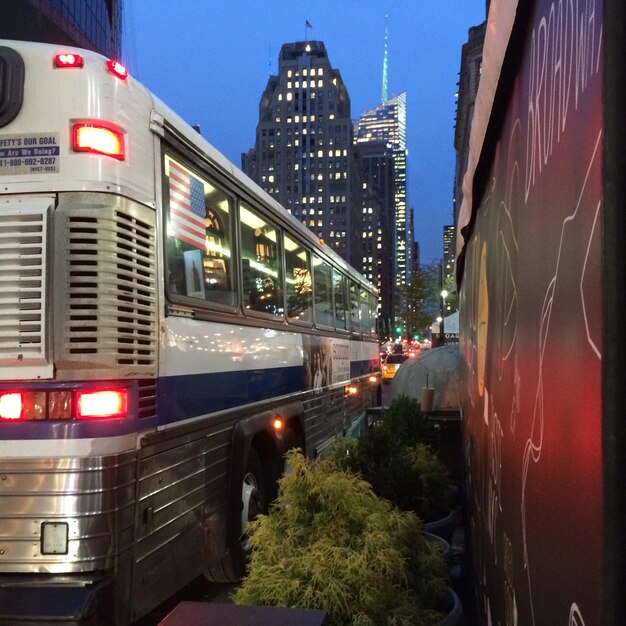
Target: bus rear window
[[199, 237]]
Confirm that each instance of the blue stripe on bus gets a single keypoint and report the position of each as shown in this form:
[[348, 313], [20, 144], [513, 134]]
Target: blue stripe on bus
[[183, 397], [178, 398]]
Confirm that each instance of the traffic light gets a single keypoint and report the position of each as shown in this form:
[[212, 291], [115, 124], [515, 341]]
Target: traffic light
[[398, 329], [416, 337]]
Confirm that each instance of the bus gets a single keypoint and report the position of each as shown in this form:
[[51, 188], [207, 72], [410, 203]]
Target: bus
[[167, 332]]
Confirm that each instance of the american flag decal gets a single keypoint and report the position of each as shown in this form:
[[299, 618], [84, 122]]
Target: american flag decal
[[187, 212]]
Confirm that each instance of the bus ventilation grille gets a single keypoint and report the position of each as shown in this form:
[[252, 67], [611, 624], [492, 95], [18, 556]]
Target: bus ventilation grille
[[22, 288]]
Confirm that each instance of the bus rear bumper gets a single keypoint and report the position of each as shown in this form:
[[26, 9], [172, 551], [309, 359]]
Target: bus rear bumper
[[68, 600]]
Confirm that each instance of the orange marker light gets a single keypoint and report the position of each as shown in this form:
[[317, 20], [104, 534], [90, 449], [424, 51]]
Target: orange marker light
[[98, 138], [11, 406], [102, 403], [278, 423]]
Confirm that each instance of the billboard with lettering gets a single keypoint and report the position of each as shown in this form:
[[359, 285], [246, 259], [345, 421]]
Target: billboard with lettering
[[531, 325]]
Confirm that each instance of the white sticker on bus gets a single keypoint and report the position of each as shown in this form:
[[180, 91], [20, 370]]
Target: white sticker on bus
[[29, 154]]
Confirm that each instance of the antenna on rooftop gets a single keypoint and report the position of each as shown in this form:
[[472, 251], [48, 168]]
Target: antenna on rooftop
[[385, 65]]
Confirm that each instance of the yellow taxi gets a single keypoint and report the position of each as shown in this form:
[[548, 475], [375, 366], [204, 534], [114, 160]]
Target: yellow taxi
[[390, 366]]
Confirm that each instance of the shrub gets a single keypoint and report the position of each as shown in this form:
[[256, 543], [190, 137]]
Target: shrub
[[330, 543], [395, 457]]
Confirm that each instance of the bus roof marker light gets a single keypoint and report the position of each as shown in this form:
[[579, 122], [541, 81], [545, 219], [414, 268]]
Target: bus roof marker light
[[11, 406], [101, 403], [117, 69], [99, 138], [68, 60]]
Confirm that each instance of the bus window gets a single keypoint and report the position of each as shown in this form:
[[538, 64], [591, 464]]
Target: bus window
[[373, 306], [366, 318], [260, 263], [199, 237], [339, 289], [298, 279], [323, 293], [354, 308]]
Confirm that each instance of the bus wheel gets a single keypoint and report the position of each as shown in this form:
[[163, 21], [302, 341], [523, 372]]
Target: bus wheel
[[253, 500], [231, 568], [290, 441]]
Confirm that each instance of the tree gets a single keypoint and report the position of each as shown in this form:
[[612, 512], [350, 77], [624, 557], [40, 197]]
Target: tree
[[423, 301]]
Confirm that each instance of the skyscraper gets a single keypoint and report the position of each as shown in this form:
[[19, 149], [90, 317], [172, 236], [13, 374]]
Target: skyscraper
[[303, 154], [386, 124], [469, 77], [379, 227], [92, 24]]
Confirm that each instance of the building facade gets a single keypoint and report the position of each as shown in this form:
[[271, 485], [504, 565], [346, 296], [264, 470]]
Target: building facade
[[469, 77], [92, 24], [449, 253], [386, 124], [303, 154], [379, 228]]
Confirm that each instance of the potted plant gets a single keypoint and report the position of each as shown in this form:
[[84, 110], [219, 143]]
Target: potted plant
[[396, 457], [330, 543]]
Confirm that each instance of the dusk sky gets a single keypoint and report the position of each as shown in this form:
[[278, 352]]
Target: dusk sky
[[210, 61]]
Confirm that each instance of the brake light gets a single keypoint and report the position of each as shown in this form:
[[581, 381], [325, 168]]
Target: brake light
[[102, 403], [11, 405], [68, 60], [98, 138], [117, 69]]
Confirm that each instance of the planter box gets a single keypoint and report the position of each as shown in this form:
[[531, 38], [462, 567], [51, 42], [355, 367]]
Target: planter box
[[203, 613]]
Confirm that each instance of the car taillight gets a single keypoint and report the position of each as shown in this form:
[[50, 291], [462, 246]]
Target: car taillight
[[99, 404], [99, 137]]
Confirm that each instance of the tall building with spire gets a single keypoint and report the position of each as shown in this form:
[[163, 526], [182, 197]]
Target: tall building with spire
[[303, 154]]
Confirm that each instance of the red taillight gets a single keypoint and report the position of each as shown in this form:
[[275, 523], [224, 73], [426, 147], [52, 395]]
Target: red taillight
[[68, 60], [98, 138], [103, 403], [117, 69], [11, 406]]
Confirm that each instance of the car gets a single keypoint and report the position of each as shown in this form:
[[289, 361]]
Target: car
[[391, 365]]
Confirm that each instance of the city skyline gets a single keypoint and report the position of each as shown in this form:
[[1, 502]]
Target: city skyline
[[164, 47]]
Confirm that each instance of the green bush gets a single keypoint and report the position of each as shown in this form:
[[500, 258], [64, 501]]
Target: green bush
[[330, 543], [396, 458]]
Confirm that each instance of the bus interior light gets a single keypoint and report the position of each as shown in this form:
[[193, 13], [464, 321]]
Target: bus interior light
[[11, 405], [98, 138], [102, 403], [68, 60], [117, 69]]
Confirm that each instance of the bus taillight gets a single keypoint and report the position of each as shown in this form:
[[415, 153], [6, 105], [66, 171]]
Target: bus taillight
[[98, 138], [68, 60], [98, 404], [11, 405], [117, 69]]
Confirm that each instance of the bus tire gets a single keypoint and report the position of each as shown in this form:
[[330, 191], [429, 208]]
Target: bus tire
[[231, 568]]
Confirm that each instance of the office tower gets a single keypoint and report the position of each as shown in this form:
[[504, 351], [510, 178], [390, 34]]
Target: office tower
[[303, 154], [386, 124], [379, 227], [469, 77], [92, 24], [449, 253]]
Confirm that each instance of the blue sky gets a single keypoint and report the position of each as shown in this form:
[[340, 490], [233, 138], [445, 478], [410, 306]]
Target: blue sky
[[209, 61]]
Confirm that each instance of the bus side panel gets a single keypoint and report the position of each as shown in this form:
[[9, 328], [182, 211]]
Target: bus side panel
[[531, 330]]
